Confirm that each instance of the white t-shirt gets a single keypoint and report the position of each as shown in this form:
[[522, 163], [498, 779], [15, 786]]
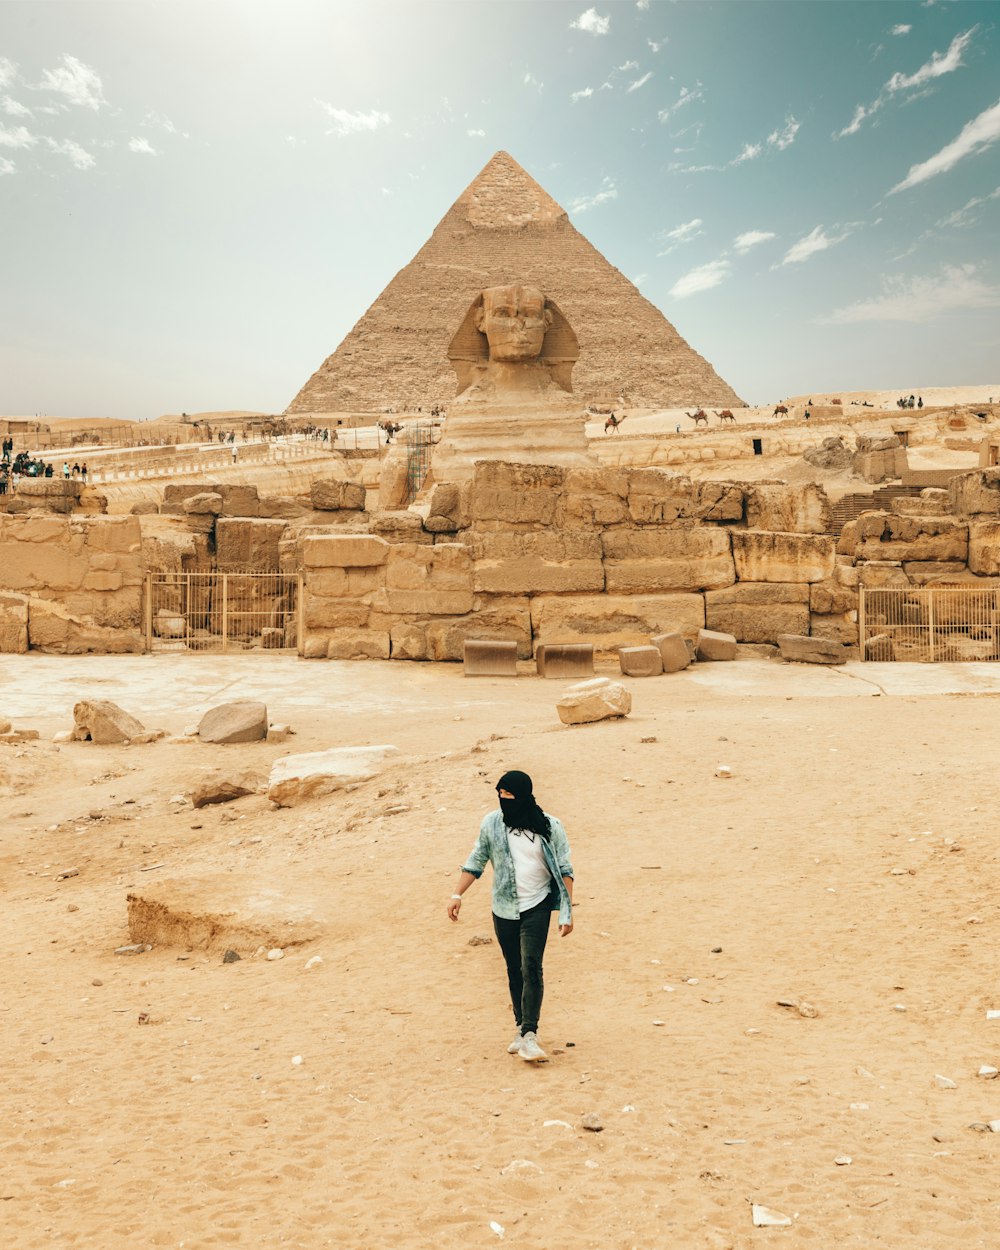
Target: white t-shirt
[[531, 873]]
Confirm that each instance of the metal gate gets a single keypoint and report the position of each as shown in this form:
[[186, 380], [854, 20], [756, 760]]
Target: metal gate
[[242, 611], [419, 438], [928, 624]]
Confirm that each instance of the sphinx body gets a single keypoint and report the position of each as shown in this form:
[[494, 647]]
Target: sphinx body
[[513, 355]]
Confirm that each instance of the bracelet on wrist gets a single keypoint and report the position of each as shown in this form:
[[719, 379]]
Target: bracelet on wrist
[[458, 896]]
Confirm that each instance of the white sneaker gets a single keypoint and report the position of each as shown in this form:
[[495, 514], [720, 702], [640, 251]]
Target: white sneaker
[[530, 1049], [515, 1047]]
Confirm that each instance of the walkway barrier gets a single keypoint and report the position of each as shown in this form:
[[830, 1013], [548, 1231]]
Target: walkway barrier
[[929, 623], [213, 612]]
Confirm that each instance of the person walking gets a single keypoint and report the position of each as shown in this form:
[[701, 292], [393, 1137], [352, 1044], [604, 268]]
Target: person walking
[[532, 877]]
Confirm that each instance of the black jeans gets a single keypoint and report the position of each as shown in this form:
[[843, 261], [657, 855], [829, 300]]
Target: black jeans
[[523, 945]]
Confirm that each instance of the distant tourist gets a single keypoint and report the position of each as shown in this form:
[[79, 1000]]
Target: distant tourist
[[66, 470], [236, 452], [83, 471], [920, 402]]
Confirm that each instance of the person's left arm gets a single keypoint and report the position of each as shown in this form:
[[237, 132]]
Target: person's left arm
[[560, 849]]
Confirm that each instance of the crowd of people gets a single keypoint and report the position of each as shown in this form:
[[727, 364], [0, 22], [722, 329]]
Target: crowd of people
[[24, 465]]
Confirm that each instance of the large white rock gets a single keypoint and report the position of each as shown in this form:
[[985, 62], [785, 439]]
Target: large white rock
[[599, 699], [297, 778], [244, 720]]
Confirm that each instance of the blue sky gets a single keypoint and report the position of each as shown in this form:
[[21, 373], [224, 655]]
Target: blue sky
[[200, 199]]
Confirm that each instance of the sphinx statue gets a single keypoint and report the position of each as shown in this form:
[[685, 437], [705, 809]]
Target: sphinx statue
[[513, 356]]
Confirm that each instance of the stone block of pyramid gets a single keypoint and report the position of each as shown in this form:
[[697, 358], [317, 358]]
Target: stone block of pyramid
[[504, 228]]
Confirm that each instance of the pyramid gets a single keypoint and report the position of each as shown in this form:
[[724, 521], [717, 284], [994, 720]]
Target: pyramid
[[505, 228]]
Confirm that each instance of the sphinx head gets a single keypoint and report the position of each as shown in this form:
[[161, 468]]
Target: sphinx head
[[514, 320], [513, 325]]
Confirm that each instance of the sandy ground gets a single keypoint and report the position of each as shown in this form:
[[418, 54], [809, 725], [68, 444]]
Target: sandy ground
[[850, 861]]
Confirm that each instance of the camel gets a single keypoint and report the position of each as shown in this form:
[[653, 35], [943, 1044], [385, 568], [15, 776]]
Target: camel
[[780, 411], [612, 424], [724, 416], [700, 415]]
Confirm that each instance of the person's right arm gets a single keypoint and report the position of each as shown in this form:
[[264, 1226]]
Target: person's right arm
[[472, 869]]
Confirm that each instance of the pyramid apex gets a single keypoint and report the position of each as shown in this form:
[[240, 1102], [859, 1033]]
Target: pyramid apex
[[503, 196]]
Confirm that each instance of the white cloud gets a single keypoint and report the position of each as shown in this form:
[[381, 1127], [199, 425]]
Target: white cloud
[[686, 97], [967, 214], [701, 279], [608, 191], [77, 155], [141, 145], [8, 74], [584, 94], [815, 241], [940, 63], [17, 137], [348, 123], [681, 234], [976, 136], [80, 84], [750, 238], [640, 278], [15, 109], [592, 22], [6, 166], [642, 4], [160, 121], [640, 82], [628, 65], [654, 46], [785, 137], [901, 29], [922, 298], [476, 134], [531, 81], [750, 153]]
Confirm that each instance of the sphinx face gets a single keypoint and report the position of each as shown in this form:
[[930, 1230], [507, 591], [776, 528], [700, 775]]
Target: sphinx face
[[514, 320]]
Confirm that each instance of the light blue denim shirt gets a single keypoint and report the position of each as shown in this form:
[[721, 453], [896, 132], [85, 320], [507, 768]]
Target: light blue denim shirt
[[492, 846]]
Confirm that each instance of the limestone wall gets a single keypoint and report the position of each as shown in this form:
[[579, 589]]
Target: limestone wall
[[70, 584]]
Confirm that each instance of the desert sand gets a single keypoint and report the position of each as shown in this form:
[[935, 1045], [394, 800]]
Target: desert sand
[[849, 863]]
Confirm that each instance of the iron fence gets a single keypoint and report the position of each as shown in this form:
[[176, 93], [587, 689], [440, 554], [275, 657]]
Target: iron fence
[[927, 624], [232, 611]]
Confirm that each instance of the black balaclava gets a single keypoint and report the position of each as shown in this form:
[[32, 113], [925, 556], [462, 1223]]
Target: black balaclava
[[521, 812]]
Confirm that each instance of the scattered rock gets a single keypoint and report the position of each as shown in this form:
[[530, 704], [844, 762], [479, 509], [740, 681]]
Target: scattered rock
[[944, 1082], [297, 778], [314, 962], [241, 721], [231, 957], [138, 948], [102, 722], [842, 1161], [519, 1167], [765, 1217], [592, 1122], [480, 940], [5, 726], [594, 700], [224, 787], [279, 733], [276, 953], [988, 1072], [716, 646], [66, 873], [799, 649]]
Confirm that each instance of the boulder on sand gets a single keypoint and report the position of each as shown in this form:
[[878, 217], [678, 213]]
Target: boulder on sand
[[598, 699], [242, 721], [223, 788], [297, 778], [103, 722]]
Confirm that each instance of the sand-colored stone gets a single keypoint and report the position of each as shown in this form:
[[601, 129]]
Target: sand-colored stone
[[433, 581], [594, 700], [887, 536], [297, 778], [13, 623], [489, 658], [797, 509], [675, 654], [715, 645], [359, 644], [356, 551], [219, 912], [104, 723], [653, 560], [758, 611], [501, 618], [640, 661], [208, 503], [984, 548], [505, 228], [975, 494], [537, 562], [223, 788], [612, 621], [331, 494], [762, 556], [515, 493], [243, 720], [806, 650], [248, 543]]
